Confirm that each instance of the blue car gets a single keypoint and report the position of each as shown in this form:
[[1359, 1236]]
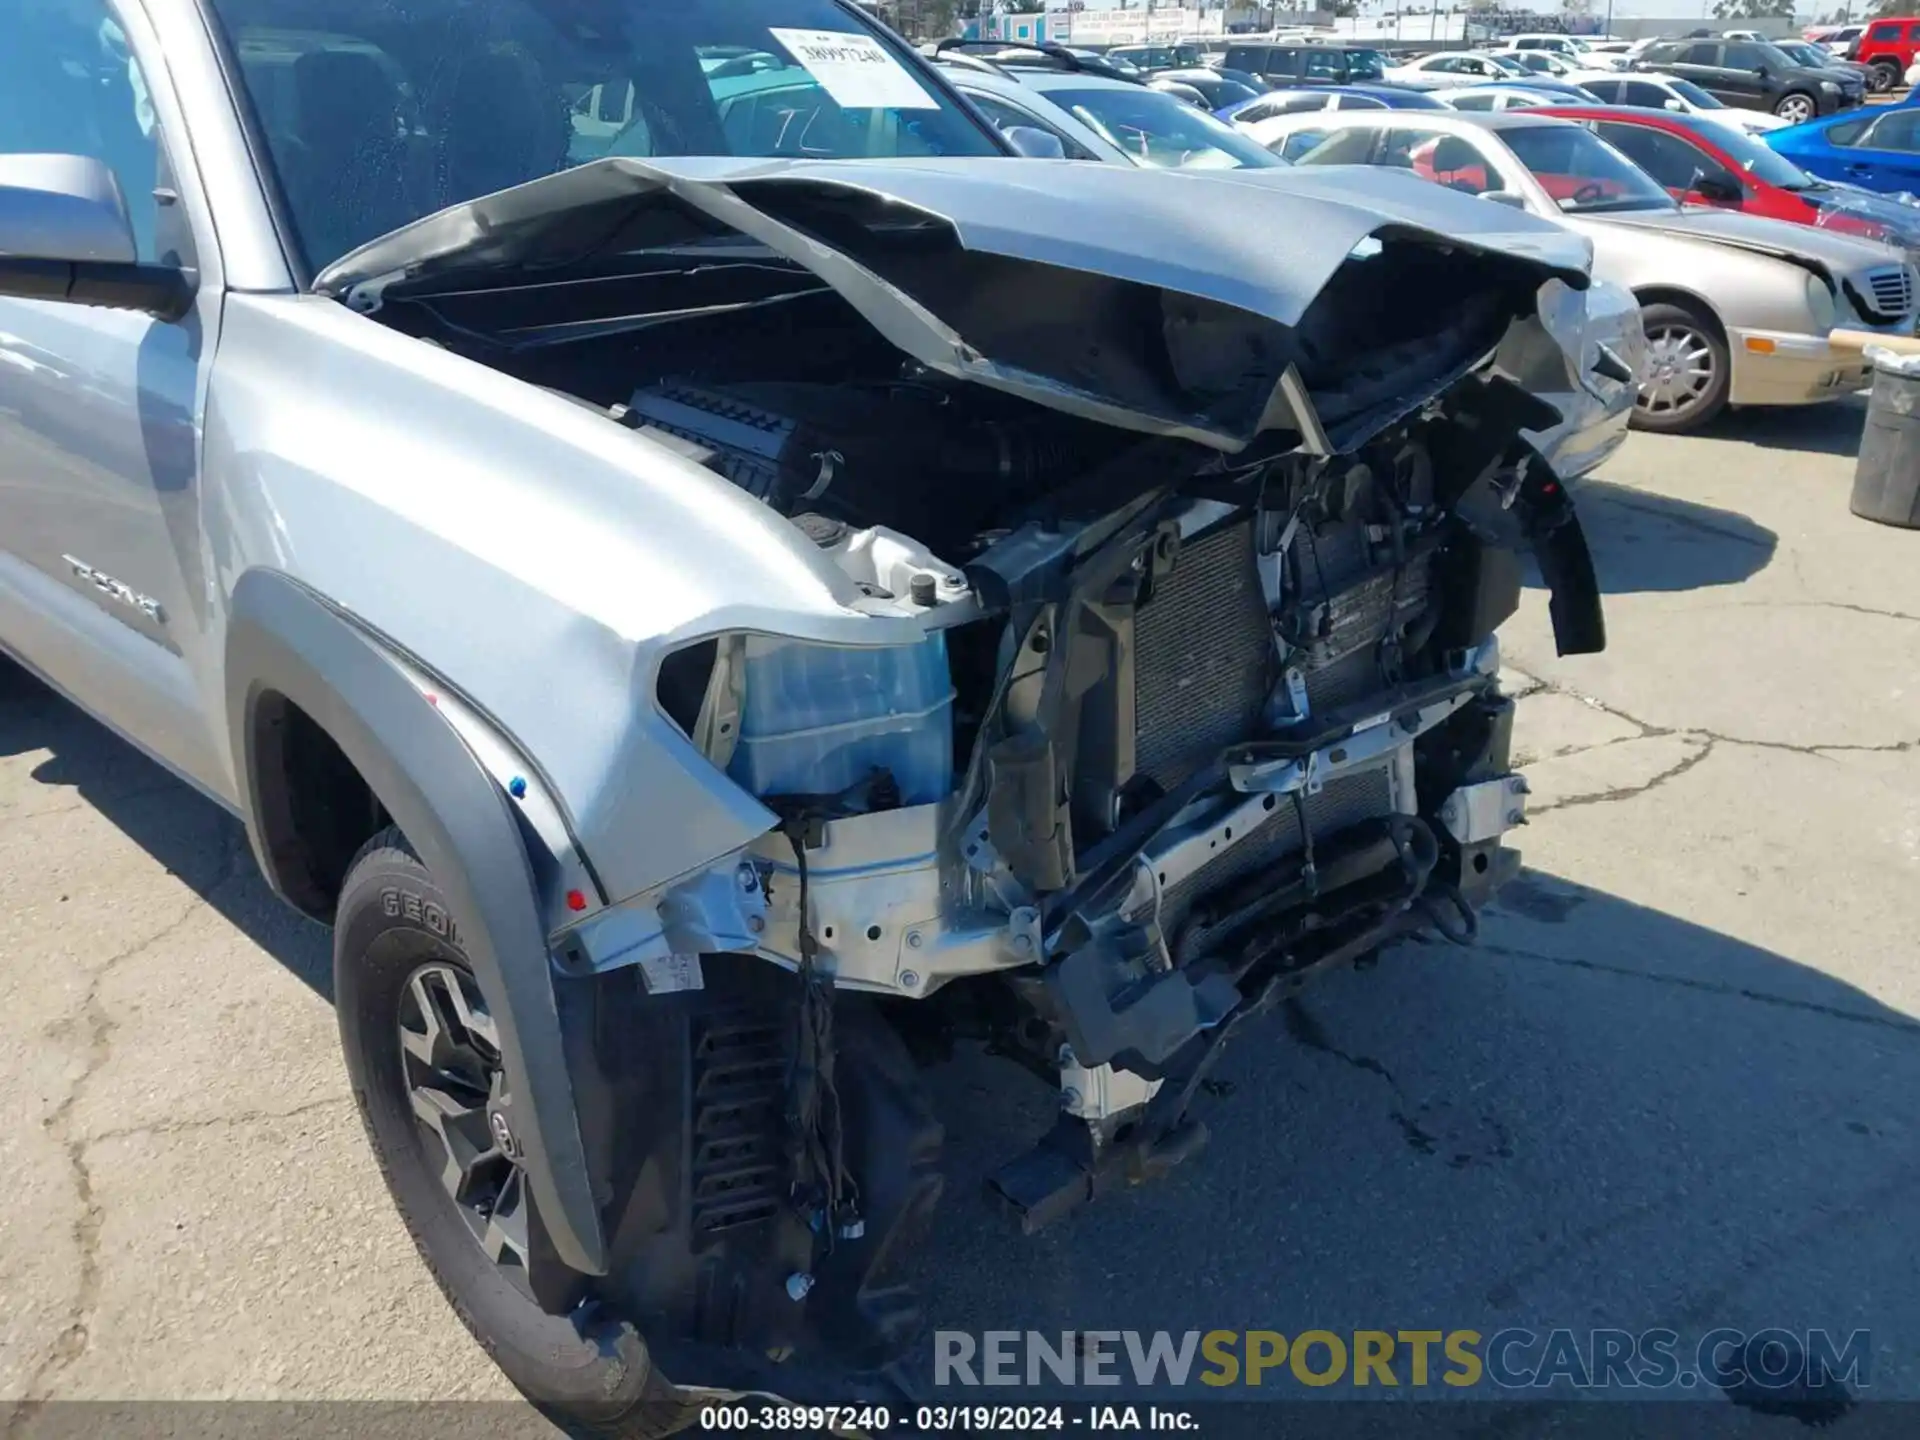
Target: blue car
[[1876, 149], [1329, 97]]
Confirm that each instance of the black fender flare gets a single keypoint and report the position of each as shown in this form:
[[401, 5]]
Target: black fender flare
[[283, 639]]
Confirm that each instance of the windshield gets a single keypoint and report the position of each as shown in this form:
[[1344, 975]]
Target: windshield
[[1692, 94], [1156, 129], [1581, 172], [1802, 53], [1508, 66], [1770, 55], [1222, 92], [378, 112]]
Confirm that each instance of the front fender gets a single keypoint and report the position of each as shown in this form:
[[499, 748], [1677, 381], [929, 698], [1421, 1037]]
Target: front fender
[[283, 640]]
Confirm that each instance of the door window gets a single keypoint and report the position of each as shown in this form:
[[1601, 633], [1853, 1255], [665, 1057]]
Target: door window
[[1296, 102], [1323, 65], [1701, 55], [1745, 57], [1896, 130], [1889, 30], [69, 85], [1667, 158], [1849, 133], [1301, 143], [1646, 96]]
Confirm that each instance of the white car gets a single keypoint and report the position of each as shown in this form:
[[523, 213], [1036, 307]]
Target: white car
[[1649, 90], [1737, 308], [1553, 63], [1570, 46], [1606, 55], [1458, 67], [1840, 41]]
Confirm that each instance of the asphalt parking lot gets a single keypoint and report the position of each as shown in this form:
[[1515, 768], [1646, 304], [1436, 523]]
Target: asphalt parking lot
[[1674, 1085]]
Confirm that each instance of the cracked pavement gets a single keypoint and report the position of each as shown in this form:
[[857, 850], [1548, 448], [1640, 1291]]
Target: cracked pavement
[[1674, 1084]]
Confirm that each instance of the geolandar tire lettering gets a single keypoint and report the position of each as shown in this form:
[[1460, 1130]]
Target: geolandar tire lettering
[[410, 905]]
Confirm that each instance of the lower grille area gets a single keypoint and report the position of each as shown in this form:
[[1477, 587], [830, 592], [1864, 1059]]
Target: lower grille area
[[739, 1069], [1340, 804]]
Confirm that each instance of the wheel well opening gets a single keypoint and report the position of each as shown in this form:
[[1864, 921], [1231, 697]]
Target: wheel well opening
[[1657, 295], [314, 809]]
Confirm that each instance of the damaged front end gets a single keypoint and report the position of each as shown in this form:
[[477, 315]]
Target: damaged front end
[[1203, 559]]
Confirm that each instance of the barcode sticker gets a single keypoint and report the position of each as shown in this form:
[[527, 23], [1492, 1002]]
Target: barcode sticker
[[856, 70]]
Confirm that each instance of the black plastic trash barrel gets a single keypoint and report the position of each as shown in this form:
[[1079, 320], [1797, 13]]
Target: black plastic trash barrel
[[1886, 478]]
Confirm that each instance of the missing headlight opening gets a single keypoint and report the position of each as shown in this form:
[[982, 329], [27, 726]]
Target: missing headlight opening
[[1188, 691]]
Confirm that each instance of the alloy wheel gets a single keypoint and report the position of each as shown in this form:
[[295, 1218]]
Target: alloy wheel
[[1679, 370], [1795, 109], [450, 1055]]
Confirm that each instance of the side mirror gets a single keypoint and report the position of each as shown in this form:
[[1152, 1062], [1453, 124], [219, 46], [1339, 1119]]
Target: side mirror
[[1035, 143], [1675, 104], [1512, 199], [1761, 71], [1718, 188], [64, 235], [63, 207]]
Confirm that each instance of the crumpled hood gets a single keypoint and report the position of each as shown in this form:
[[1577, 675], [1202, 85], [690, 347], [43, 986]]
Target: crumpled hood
[[1263, 243], [1261, 240], [1835, 253]]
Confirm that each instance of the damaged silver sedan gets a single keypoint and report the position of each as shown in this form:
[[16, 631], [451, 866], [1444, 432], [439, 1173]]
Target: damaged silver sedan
[[720, 582]]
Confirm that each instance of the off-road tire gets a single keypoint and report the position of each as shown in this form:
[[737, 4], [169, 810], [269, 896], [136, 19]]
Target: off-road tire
[[1886, 75], [1666, 318], [391, 920]]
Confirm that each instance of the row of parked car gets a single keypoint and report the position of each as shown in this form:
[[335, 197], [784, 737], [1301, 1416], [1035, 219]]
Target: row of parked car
[[1722, 265]]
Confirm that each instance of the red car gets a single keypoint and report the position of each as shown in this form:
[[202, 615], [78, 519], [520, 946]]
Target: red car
[[1704, 162], [1888, 47]]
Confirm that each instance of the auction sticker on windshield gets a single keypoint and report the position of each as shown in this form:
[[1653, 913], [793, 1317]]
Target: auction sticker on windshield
[[856, 70]]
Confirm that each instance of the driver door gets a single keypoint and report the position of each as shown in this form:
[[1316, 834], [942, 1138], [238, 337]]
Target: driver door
[[1747, 79], [103, 576], [1887, 155], [1678, 166]]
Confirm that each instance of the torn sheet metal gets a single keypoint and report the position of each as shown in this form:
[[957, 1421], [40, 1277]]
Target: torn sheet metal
[[1234, 259]]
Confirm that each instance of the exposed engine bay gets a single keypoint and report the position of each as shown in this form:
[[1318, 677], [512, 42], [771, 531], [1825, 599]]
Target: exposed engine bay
[[1191, 718]]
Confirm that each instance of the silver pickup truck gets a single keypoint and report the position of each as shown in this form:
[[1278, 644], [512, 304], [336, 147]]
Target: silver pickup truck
[[718, 579]]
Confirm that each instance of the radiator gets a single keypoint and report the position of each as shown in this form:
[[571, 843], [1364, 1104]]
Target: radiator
[[1203, 657], [1203, 668]]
